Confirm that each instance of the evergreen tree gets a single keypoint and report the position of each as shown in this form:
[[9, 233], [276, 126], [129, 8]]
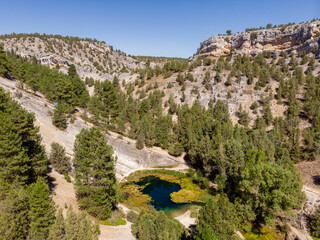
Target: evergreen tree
[[156, 225], [3, 62], [14, 161], [95, 173], [213, 223], [22, 156], [176, 149], [72, 72], [71, 225], [264, 188], [58, 230], [180, 79], [41, 212], [315, 224], [311, 138], [267, 115], [244, 118], [58, 158], [59, 118], [220, 111], [74, 227], [139, 142], [105, 103], [206, 234], [14, 209]]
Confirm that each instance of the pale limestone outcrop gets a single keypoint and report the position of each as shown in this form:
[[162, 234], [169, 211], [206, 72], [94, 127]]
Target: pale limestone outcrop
[[302, 37]]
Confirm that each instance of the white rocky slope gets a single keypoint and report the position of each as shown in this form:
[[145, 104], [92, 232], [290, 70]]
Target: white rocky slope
[[92, 58], [129, 158]]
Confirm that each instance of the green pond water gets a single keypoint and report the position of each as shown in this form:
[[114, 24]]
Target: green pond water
[[159, 191]]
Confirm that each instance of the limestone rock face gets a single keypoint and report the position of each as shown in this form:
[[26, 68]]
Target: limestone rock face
[[92, 58], [302, 37]]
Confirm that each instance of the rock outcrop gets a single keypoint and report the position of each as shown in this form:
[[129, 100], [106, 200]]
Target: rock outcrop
[[92, 58], [299, 224], [302, 37]]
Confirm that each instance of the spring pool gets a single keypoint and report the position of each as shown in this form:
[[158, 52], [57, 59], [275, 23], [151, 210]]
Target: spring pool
[[159, 191]]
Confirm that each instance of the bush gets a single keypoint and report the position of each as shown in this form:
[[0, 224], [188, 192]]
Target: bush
[[139, 143], [67, 177], [132, 216], [253, 36]]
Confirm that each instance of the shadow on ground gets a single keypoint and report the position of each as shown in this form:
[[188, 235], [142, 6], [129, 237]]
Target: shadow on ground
[[316, 180], [51, 180]]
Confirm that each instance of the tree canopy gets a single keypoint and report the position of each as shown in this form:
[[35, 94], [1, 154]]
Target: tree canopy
[[94, 173]]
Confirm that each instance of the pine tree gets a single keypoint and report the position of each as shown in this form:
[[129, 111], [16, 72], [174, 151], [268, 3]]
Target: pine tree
[[244, 118], [58, 158], [206, 234], [72, 72], [315, 223], [14, 208], [95, 173], [59, 118], [156, 225], [211, 222], [176, 149], [180, 79], [105, 103], [14, 161], [18, 127], [58, 230], [80, 227], [220, 111], [41, 212], [267, 115], [140, 142], [71, 225], [87, 229], [3, 62]]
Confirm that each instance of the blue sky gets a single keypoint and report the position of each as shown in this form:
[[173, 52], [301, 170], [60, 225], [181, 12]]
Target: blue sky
[[172, 28]]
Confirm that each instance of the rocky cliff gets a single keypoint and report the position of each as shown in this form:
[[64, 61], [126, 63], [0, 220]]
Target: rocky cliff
[[302, 37]]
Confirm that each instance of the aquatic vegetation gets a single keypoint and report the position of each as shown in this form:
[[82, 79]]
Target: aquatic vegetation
[[181, 187]]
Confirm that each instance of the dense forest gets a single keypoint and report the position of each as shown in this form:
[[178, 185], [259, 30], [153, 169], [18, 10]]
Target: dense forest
[[251, 162], [27, 210]]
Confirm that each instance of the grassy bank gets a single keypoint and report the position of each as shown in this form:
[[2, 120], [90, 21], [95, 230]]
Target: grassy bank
[[263, 234]]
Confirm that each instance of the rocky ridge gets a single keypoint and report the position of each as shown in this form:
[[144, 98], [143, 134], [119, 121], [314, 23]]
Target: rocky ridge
[[301, 37], [92, 58]]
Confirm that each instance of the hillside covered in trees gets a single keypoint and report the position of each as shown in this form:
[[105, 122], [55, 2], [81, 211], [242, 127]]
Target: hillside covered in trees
[[241, 122]]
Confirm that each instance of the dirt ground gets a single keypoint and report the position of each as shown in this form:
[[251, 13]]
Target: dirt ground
[[310, 172], [64, 194], [186, 220]]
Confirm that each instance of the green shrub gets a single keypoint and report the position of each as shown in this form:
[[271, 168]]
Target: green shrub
[[67, 177], [315, 224], [132, 216]]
